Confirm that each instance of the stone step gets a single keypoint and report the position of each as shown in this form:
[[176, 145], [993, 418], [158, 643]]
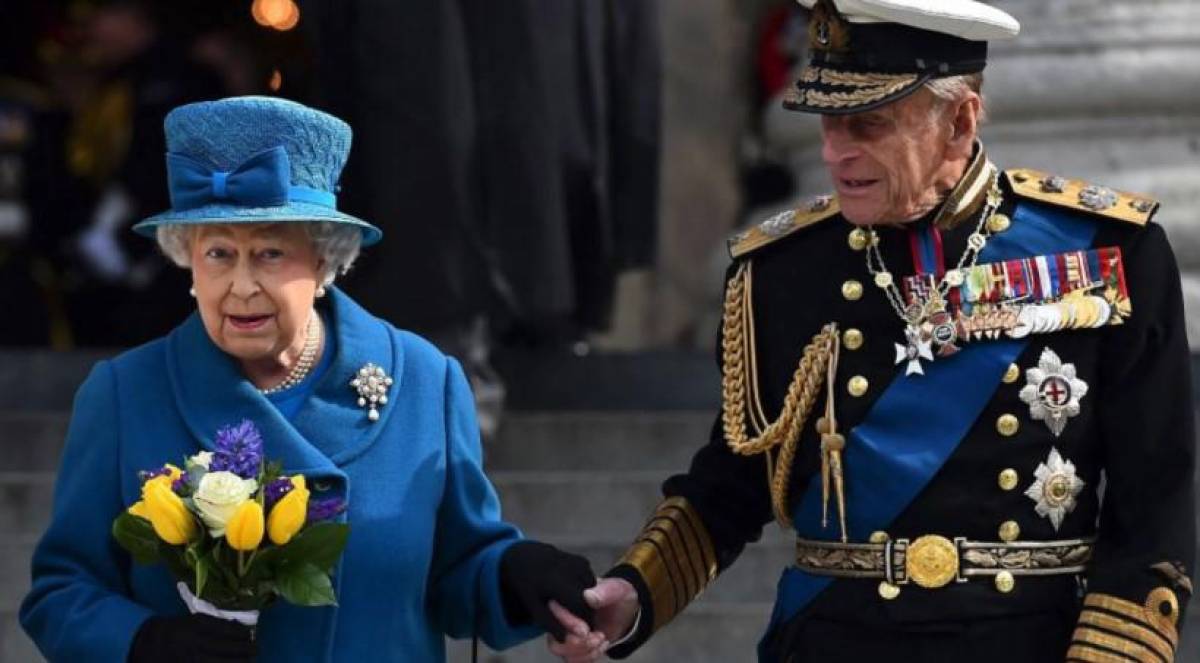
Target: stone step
[[603, 506], [26, 500], [708, 631], [15, 553], [589, 441], [576, 441], [31, 441], [15, 646]]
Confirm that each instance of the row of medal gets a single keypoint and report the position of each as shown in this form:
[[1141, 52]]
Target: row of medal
[[1035, 295]]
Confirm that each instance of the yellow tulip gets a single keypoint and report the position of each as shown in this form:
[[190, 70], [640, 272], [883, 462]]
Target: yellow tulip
[[138, 509], [244, 530], [172, 521], [289, 513], [173, 472]]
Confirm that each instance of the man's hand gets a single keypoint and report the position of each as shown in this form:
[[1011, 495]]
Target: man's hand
[[615, 605]]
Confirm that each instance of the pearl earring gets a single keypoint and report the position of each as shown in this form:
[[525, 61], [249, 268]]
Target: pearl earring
[[192, 292], [320, 291]]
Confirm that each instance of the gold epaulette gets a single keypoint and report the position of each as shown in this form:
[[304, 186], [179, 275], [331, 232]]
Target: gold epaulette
[[783, 224], [674, 556], [1115, 629], [1076, 194]]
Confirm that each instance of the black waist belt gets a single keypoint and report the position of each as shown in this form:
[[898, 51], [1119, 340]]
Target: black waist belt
[[935, 561]]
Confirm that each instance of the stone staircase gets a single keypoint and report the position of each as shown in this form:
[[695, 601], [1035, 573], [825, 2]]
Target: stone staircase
[[581, 479]]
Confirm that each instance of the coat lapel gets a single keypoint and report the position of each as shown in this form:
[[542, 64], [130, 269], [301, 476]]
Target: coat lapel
[[329, 430]]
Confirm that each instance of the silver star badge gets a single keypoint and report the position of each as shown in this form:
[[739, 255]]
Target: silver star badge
[[372, 385], [919, 347], [1055, 489], [1052, 391]]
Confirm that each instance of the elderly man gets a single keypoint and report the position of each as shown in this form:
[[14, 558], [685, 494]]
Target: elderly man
[[930, 376]]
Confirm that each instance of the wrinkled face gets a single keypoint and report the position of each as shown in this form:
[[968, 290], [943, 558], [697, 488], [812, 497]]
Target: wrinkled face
[[255, 286], [885, 162]]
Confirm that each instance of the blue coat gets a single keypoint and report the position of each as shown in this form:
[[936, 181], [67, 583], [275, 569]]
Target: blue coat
[[426, 535]]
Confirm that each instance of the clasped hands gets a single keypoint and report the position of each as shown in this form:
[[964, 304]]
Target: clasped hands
[[558, 592]]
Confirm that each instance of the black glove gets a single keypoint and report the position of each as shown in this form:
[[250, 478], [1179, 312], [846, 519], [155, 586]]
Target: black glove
[[532, 574], [192, 639]]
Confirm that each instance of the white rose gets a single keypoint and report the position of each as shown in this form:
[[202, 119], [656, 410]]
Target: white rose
[[202, 459], [219, 496]]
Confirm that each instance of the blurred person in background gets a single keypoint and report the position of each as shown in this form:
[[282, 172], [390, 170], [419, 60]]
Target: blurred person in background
[[515, 148]]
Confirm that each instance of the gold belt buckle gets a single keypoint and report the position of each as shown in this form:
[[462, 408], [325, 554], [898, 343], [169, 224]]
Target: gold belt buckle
[[931, 561]]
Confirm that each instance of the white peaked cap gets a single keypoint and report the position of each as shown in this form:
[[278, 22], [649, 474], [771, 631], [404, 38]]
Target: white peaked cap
[[965, 19]]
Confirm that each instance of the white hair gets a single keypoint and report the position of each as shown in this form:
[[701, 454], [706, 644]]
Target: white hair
[[336, 244], [952, 89]]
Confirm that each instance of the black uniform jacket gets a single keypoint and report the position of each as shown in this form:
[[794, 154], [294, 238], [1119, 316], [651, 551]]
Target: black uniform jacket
[[1131, 444]]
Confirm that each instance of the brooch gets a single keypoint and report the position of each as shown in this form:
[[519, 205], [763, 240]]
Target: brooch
[[372, 385]]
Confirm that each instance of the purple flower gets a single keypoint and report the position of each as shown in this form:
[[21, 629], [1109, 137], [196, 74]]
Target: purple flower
[[276, 490], [239, 450], [325, 509], [146, 475], [180, 486]]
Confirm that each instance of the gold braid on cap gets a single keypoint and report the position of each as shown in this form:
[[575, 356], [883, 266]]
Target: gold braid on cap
[[675, 558], [739, 390]]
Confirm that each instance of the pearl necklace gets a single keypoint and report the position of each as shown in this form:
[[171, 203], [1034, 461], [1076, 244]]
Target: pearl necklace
[[307, 357]]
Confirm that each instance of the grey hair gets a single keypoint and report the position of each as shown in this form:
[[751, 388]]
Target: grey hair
[[336, 244], [953, 88]]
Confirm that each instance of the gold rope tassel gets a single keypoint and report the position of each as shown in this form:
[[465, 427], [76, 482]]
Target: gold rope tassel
[[832, 444], [739, 392]]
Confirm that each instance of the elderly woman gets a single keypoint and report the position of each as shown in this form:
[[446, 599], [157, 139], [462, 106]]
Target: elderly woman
[[254, 218]]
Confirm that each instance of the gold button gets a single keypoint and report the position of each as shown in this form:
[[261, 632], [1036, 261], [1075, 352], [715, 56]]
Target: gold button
[[1005, 582], [888, 591], [852, 339], [1011, 375], [858, 385], [1008, 479], [858, 239], [879, 537], [1009, 531], [1007, 425], [998, 223], [852, 290]]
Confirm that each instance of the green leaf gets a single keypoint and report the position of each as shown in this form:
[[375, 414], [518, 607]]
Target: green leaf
[[320, 545], [305, 585], [202, 565], [136, 535]]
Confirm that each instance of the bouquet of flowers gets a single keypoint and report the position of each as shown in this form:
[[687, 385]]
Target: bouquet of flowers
[[234, 531]]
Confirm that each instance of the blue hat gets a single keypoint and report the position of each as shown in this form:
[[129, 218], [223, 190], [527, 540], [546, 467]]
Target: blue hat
[[254, 160]]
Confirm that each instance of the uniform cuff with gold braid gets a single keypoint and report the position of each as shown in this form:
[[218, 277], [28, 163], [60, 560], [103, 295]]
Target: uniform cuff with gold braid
[[670, 563], [1115, 629]]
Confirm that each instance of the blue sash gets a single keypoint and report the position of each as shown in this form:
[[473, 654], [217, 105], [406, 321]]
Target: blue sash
[[912, 429]]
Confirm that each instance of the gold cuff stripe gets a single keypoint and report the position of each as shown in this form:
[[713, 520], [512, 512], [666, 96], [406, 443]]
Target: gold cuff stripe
[[1109, 641], [1090, 654], [675, 557], [651, 565], [1164, 626], [1127, 629], [699, 536]]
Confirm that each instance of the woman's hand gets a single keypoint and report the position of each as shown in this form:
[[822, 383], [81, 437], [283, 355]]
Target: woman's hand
[[532, 574], [192, 639]]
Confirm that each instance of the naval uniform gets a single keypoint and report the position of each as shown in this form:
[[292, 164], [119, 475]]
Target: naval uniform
[[1027, 495]]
